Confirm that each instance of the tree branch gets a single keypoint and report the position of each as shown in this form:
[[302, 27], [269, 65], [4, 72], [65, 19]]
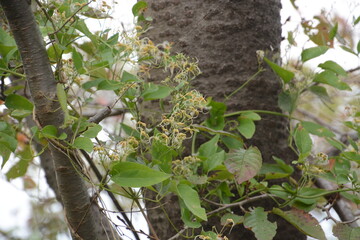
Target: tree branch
[[42, 87]]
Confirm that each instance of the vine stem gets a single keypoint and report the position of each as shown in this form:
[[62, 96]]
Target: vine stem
[[261, 111], [13, 72], [225, 206], [152, 230], [245, 83]]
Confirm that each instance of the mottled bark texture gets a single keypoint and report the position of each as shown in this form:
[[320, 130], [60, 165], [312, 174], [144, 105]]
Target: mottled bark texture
[[83, 216], [224, 36]]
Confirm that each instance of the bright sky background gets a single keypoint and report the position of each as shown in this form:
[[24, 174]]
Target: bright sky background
[[15, 203]]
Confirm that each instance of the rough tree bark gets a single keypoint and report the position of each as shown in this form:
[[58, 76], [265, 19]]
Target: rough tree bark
[[224, 36], [82, 214]]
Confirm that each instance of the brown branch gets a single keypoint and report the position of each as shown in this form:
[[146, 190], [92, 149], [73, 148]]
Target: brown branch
[[42, 86], [353, 69], [71, 17], [104, 113]]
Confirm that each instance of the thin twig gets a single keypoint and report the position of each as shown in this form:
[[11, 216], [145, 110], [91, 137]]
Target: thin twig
[[353, 69], [111, 195], [71, 17], [241, 203], [226, 206], [100, 115]]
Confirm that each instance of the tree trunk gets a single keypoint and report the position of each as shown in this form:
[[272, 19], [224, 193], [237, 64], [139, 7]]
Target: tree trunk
[[224, 36], [82, 213]]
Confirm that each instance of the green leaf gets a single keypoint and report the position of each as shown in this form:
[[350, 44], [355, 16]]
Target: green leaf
[[8, 141], [162, 155], [257, 222], [231, 219], [49, 131], [216, 120], [78, 61], [191, 200], [113, 39], [317, 129], [348, 50], [62, 97], [232, 143], [4, 153], [187, 216], [213, 161], [357, 20], [303, 221], [302, 140], [197, 180], [13, 89], [7, 44], [154, 91], [291, 39], [344, 232], [246, 127], [20, 113], [92, 83], [353, 144], [244, 163], [107, 84], [6, 39], [209, 148], [352, 197], [14, 101], [329, 78], [82, 27], [287, 101], [313, 52], [92, 130], [128, 77], [130, 131], [139, 8], [130, 174], [321, 92], [251, 115], [333, 32], [284, 74], [309, 202], [334, 67], [20, 168], [276, 171], [279, 192], [209, 235], [83, 143]]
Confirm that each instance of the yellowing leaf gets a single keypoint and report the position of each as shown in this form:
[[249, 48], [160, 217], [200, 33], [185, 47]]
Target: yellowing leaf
[[244, 163], [345, 232], [303, 221]]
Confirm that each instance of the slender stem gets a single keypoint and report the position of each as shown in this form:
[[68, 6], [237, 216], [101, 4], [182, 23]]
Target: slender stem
[[261, 111], [245, 83], [152, 230], [13, 72], [193, 142], [102, 180]]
